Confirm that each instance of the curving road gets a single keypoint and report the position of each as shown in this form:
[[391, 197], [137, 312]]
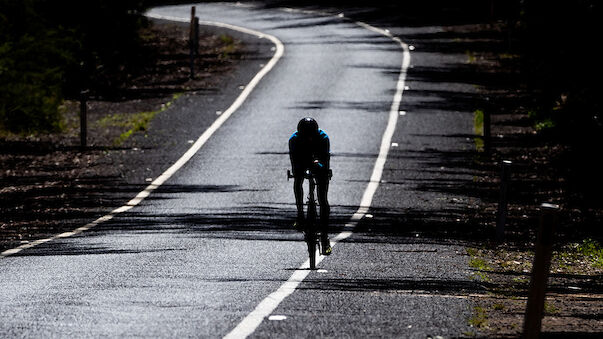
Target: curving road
[[197, 256]]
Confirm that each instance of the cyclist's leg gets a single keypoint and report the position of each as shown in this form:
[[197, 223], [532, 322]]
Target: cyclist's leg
[[298, 191], [322, 191]]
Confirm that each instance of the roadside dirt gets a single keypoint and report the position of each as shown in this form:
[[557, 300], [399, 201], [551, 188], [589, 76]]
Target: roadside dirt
[[539, 174]]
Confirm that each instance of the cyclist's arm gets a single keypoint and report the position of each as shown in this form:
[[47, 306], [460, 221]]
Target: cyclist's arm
[[324, 153]]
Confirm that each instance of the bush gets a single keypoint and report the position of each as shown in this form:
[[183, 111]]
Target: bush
[[561, 60], [31, 63]]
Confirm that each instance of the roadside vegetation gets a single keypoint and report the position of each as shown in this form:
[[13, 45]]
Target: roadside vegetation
[[546, 120], [50, 50], [131, 123], [573, 298], [478, 127]]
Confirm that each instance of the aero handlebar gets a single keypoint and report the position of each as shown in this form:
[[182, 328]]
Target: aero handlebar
[[307, 175]]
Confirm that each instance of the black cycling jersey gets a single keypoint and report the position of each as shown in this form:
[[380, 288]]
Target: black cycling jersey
[[303, 152]]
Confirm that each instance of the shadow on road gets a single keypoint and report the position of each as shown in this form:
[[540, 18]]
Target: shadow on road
[[427, 286]]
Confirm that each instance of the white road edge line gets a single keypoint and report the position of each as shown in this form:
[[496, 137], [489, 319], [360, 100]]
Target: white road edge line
[[251, 322], [280, 49]]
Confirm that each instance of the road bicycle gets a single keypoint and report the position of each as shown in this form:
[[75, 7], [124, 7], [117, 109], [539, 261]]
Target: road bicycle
[[310, 228]]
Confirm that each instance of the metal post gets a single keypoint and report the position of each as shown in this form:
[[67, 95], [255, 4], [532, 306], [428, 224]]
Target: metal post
[[505, 176], [83, 117], [540, 270]]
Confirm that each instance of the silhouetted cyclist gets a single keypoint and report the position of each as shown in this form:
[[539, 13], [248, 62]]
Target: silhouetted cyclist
[[309, 148]]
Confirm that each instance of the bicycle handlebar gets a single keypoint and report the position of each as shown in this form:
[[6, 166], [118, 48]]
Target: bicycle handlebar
[[307, 174]]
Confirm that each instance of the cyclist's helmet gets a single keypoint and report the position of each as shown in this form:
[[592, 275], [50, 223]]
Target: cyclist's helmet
[[307, 127]]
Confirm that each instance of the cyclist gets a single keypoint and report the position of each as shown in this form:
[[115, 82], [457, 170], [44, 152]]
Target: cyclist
[[309, 148]]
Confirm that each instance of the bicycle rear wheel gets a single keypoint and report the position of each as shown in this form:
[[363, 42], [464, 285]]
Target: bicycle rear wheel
[[311, 241], [311, 235]]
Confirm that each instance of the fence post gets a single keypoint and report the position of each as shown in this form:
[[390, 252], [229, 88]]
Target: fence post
[[501, 220], [540, 270], [192, 43], [196, 27], [83, 118]]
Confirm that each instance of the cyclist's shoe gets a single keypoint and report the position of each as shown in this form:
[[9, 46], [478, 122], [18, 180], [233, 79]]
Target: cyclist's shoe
[[325, 246]]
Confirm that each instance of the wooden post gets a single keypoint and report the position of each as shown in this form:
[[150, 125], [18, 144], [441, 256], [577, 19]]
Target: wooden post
[[83, 118], [191, 43], [540, 271], [505, 176], [196, 35]]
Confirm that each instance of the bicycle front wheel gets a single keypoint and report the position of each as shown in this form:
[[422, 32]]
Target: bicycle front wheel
[[311, 241]]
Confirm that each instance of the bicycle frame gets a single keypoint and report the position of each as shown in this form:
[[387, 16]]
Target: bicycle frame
[[310, 226]]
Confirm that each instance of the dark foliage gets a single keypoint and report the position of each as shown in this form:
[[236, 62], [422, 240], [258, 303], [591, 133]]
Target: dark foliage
[[561, 60], [32, 63], [108, 37], [50, 50]]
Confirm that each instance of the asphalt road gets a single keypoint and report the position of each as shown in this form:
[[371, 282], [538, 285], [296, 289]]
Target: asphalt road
[[199, 254]]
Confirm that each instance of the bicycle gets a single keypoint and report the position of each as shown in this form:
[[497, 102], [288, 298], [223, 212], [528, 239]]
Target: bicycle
[[311, 234]]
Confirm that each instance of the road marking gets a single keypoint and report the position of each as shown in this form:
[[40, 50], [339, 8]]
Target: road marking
[[277, 317], [246, 91], [251, 322]]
